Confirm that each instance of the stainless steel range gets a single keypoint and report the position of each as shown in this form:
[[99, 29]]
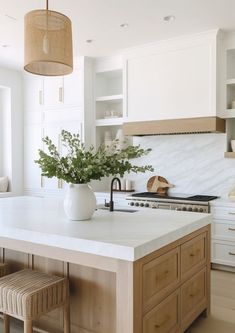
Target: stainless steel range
[[193, 203]]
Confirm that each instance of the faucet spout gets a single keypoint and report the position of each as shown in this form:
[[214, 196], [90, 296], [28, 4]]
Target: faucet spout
[[111, 203]]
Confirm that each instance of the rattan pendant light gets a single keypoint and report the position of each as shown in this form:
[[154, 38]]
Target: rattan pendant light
[[48, 43]]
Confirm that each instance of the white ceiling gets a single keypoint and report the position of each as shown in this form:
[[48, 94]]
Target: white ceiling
[[100, 20]]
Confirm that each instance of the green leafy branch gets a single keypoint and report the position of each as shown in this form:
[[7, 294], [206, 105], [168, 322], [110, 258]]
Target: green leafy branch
[[82, 165]]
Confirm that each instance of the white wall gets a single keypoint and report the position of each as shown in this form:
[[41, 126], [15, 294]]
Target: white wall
[[12, 128], [193, 163]]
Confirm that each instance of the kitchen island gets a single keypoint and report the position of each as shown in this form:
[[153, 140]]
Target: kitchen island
[[141, 272]]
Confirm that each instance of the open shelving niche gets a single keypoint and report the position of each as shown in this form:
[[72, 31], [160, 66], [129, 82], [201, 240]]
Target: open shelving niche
[[108, 103]]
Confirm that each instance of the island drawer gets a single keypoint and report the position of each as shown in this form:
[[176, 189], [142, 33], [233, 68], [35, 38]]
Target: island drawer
[[165, 317], [193, 297], [160, 277], [193, 255]]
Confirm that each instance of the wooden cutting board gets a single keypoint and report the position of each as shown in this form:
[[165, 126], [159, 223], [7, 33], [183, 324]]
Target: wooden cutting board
[[158, 184]]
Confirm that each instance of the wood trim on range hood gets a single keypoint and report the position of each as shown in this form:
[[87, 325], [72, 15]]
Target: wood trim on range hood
[[175, 126]]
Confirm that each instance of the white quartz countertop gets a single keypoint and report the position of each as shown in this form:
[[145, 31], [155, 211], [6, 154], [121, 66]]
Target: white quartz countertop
[[127, 236]]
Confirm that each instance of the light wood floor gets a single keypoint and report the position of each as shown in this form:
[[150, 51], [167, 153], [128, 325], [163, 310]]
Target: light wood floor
[[222, 318]]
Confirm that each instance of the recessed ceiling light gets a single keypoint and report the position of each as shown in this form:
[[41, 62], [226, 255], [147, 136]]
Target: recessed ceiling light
[[169, 18], [124, 25], [89, 41]]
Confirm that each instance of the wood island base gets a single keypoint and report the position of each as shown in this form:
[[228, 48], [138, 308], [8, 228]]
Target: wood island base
[[164, 291]]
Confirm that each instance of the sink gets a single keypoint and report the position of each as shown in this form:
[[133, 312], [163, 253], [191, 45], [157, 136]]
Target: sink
[[124, 210]]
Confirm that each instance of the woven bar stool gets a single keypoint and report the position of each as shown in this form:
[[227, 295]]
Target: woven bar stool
[[3, 269], [28, 294]]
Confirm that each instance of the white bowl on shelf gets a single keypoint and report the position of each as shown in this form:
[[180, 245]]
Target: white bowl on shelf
[[233, 145]]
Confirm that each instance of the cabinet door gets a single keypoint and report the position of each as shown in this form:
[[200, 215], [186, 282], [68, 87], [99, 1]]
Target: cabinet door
[[160, 277], [33, 92], [193, 298], [32, 142], [73, 88], [170, 85], [54, 92], [165, 317]]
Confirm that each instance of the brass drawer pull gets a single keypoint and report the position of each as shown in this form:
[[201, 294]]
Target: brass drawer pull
[[163, 322], [194, 293], [231, 229], [192, 254], [231, 253]]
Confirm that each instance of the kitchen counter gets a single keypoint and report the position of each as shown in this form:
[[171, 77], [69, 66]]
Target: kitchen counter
[[121, 235], [128, 272]]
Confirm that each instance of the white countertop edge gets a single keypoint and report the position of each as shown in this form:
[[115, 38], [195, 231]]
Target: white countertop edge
[[69, 243], [104, 249]]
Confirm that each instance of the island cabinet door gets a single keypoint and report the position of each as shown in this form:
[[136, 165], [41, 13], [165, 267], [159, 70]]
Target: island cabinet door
[[165, 317], [193, 298], [160, 277], [193, 255]]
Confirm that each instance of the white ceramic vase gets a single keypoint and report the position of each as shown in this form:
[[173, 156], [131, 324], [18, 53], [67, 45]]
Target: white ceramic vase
[[79, 202]]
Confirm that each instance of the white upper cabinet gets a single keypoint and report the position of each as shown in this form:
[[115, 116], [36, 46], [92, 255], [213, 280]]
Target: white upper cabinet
[[33, 92], [53, 91], [172, 80], [74, 87]]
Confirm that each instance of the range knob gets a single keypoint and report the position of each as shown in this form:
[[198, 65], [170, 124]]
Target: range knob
[[190, 209], [195, 209], [184, 209], [131, 203], [201, 210], [141, 204], [154, 206], [146, 205], [137, 204]]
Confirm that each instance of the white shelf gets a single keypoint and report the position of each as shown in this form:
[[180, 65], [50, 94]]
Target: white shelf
[[229, 113], [230, 82], [109, 122], [111, 98]]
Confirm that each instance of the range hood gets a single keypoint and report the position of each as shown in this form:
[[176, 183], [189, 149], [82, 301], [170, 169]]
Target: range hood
[[175, 126]]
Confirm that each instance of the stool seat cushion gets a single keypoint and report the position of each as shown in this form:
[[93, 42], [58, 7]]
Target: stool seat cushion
[[28, 294]]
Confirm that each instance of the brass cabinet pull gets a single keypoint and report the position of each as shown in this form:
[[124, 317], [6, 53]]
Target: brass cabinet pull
[[231, 213], [231, 229], [192, 254], [163, 322], [40, 97], [231, 253], [61, 94]]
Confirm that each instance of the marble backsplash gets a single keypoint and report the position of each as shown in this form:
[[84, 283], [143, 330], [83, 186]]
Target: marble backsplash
[[195, 164]]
